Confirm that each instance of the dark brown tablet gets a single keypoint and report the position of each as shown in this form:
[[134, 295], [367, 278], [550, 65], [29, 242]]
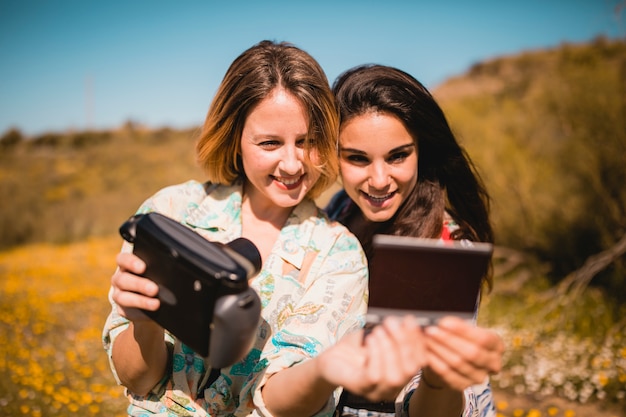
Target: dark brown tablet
[[429, 278]]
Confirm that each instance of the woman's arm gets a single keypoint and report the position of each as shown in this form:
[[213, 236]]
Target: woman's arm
[[139, 352], [433, 397], [377, 367], [302, 389], [140, 357]]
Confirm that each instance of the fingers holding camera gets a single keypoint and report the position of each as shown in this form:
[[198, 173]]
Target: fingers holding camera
[[455, 354], [463, 354], [131, 292], [396, 352], [407, 339]]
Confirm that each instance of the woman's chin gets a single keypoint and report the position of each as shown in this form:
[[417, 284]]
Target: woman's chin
[[378, 214]]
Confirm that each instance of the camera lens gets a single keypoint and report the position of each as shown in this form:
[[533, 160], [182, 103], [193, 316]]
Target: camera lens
[[249, 251]]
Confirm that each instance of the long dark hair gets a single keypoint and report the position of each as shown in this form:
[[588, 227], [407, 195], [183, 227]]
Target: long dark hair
[[447, 178]]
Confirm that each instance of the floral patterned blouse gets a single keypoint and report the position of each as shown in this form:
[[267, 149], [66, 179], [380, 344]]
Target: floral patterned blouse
[[478, 398], [313, 290]]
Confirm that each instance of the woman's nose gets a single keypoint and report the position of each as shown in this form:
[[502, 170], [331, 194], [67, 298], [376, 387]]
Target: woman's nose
[[291, 160], [378, 176]]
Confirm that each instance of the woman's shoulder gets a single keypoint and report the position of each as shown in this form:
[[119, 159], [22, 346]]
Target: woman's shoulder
[[323, 227], [449, 226], [190, 187], [171, 199]]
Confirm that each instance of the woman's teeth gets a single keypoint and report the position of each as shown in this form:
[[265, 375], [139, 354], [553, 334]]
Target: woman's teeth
[[378, 199], [288, 181]]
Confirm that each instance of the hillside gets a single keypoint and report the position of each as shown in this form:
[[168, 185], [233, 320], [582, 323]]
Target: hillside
[[65, 187], [546, 128], [547, 131]]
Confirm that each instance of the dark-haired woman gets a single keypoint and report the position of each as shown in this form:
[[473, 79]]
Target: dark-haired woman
[[404, 173]]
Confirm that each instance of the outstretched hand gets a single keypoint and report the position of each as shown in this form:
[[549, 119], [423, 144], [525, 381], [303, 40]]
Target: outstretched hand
[[378, 365], [460, 354]]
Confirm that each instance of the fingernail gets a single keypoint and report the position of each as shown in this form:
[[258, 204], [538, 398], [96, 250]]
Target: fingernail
[[154, 304], [152, 287], [411, 321], [432, 330], [393, 323]]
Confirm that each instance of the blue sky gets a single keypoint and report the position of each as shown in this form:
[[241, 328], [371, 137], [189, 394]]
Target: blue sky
[[87, 64]]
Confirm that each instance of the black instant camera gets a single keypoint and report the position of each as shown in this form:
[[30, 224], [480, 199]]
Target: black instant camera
[[203, 286]]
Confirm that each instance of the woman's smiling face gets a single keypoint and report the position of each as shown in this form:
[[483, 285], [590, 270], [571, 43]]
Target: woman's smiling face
[[378, 160], [273, 152]]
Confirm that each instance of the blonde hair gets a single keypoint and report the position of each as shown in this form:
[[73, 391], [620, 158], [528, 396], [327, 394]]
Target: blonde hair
[[252, 77]]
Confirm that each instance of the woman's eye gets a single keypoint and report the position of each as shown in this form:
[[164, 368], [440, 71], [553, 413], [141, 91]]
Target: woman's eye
[[310, 142], [269, 144], [356, 159], [398, 157]]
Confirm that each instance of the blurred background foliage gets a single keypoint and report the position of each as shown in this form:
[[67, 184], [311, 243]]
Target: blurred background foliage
[[547, 130], [60, 188]]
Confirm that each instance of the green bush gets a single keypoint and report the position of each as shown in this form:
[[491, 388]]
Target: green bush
[[548, 130]]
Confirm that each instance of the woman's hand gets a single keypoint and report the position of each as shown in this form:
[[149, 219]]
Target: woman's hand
[[131, 292], [379, 365], [461, 354], [396, 353]]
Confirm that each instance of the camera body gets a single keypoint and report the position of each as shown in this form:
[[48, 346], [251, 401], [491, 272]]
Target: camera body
[[203, 286]]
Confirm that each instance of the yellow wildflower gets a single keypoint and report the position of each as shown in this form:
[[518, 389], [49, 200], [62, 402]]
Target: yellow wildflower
[[533, 413]]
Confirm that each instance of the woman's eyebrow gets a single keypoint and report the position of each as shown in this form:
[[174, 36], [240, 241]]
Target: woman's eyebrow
[[352, 150], [397, 149], [403, 147]]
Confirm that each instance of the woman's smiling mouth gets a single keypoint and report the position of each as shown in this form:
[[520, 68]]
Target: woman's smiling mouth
[[378, 200], [289, 182]]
